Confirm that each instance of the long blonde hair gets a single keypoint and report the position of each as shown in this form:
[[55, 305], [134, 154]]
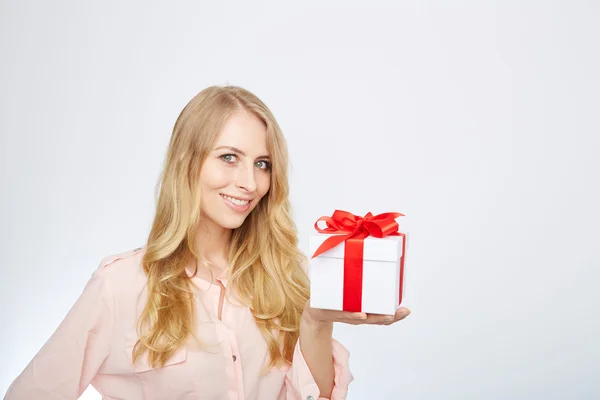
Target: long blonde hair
[[264, 258]]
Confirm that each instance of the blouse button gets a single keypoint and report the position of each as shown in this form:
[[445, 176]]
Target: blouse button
[[235, 358], [310, 398]]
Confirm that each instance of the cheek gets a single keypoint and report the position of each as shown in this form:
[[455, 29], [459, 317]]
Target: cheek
[[264, 184], [213, 177]]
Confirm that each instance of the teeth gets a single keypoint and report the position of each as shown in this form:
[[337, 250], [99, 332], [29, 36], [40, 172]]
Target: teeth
[[236, 201]]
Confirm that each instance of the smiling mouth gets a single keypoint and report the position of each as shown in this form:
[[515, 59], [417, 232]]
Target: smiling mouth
[[236, 201]]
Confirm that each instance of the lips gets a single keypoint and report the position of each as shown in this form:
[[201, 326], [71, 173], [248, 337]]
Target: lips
[[236, 200], [238, 205]]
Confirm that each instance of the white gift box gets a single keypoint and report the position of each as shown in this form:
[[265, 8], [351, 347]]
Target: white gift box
[[382, 274]]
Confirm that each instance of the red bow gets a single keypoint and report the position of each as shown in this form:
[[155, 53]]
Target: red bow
[[353, 230], [350, 226]]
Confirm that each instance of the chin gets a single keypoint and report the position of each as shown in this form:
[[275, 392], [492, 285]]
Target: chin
[[232, 225], [233, 222]]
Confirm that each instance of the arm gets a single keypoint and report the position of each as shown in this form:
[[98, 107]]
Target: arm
[[70, 359], [320, 368], [316, 347], [315, 375]]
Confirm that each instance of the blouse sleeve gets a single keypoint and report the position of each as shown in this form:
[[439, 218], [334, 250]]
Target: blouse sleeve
[[300, 384], [69, 360]]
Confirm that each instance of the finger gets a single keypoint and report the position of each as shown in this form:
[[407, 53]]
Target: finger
[[352, 318], [359, 316], [403, 310], [351, 321], [379, 319], [373, 319], [344, 317], [402, 313], [335, 315], [370, 319]]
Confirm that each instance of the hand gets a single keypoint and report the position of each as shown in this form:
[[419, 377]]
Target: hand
[[322, 317]]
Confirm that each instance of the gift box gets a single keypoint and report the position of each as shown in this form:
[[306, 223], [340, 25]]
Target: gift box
[[357, 263]]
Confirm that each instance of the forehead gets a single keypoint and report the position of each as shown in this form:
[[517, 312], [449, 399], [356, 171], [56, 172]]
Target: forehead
[[244, 131]]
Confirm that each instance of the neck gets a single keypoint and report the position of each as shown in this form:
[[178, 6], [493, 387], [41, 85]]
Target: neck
[[212, 242]]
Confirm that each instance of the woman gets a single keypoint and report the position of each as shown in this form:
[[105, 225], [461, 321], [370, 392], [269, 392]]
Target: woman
[[215, 305]]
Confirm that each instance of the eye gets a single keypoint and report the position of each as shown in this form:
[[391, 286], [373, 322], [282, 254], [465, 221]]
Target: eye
[[228, 158], [263, 164]]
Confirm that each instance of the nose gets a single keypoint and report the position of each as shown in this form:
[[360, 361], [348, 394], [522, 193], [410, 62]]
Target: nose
[[245, 178]]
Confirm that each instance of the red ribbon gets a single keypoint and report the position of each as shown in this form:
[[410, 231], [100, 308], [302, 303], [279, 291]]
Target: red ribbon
[[353, 229]]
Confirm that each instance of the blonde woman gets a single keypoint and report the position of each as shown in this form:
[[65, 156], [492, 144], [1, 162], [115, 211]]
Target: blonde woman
[[215, 305]]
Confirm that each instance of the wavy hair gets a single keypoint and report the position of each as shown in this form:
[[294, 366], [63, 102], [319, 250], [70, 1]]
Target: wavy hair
[[265, 262]]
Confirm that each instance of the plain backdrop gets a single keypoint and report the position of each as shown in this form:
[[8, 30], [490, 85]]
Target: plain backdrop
[[476, 119]]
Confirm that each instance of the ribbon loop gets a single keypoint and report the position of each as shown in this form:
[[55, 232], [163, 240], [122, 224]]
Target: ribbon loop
[[347, 225]]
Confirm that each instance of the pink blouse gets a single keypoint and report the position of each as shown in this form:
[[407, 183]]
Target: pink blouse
[[94, 343]]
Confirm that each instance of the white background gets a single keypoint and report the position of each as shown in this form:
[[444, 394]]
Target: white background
[[477, 119]]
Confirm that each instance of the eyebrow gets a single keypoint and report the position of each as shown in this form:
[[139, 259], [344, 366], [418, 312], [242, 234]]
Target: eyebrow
[[238, 151]]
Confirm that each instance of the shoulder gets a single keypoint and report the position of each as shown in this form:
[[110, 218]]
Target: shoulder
[[126, 257], [122, 269]]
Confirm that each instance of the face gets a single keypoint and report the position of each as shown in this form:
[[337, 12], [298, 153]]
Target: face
[[236, 173]]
